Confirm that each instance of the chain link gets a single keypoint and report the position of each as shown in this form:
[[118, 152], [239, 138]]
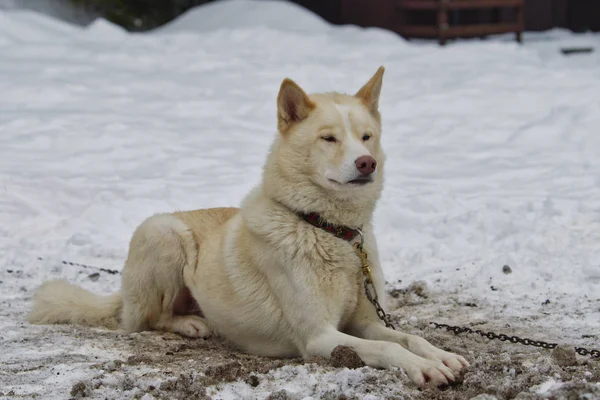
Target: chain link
[[74, 264], [372, 296], [594, 353], [370, 290]]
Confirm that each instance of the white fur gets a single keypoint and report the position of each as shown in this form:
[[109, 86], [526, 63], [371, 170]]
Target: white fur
[[265, 279]]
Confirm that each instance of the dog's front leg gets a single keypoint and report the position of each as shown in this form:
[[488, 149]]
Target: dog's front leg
[[382, 354], [366, 324]]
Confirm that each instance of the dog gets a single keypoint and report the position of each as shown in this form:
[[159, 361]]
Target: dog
[[279, 276]]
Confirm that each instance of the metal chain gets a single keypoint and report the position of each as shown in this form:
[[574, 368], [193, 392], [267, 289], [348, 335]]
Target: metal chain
[[74, 264], [370, 290], [372, 296], [594, 353]]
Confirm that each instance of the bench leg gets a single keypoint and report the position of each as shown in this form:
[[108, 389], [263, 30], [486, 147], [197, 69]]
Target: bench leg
[[520, 22], [442, 23]]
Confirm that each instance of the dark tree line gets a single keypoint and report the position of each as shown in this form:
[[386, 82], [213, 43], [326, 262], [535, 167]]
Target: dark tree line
[[139, 15]]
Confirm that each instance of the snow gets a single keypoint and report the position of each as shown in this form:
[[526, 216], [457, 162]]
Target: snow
[[546, 386], [492, 155], [298, 380]]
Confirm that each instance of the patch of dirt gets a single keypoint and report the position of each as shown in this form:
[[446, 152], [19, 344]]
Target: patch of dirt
[[564, 356], [569, 391], [344, 356], [280, 395], [154, 365], [79, 390], [414, 293], [186, 367]]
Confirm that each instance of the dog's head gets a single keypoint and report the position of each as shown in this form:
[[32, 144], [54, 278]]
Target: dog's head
[[331, 140]]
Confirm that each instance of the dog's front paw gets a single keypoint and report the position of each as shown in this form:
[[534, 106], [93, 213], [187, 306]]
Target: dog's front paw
[[423, 348], [458, 364], [430, 373]]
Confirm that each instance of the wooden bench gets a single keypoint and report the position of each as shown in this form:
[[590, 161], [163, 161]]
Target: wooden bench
[[443, 31]]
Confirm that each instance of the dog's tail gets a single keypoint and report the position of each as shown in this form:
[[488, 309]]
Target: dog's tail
[[59, 302]]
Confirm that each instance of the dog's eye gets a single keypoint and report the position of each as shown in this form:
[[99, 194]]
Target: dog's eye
[[330, 139], [366, 137]]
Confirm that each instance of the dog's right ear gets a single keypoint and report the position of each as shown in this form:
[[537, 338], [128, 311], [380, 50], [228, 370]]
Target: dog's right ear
[[293, 105], [370, 92]]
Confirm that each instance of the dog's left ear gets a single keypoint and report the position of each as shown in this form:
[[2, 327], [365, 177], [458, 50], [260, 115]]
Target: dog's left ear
[[293, 105], [369, 93]]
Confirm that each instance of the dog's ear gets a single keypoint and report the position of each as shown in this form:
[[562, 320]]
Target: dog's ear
[[293, 105], [369, 93]]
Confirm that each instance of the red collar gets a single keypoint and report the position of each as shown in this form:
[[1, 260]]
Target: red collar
[[340, 231]]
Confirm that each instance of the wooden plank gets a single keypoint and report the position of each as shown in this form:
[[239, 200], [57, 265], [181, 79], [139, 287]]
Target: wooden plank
[[457, 4], [460, 4], [481, 30], [430, 31], [419, 31], [418, 4]]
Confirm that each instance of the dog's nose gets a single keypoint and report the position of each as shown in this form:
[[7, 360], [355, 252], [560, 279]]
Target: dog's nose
[[366, 165]]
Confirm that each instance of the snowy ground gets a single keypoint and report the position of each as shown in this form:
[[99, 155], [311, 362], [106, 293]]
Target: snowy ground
[[492, 160]]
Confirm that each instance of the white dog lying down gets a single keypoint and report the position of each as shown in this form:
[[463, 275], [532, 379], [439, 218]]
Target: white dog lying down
[[279, 276]]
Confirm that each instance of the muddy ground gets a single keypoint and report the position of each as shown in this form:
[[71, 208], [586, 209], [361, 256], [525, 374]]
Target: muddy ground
[[76, 362]]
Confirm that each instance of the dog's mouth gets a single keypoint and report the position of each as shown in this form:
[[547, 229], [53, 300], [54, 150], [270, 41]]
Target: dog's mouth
[[363, 180], [360, 181]]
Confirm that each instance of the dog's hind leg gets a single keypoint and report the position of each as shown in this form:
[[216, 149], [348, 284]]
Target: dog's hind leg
[[154, 293], [184, 316]]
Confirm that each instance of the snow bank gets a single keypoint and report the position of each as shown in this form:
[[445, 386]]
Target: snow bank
[[104, 30], [31, 26], [60, 9], [244, 20], [241, 14], [258, 19]]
